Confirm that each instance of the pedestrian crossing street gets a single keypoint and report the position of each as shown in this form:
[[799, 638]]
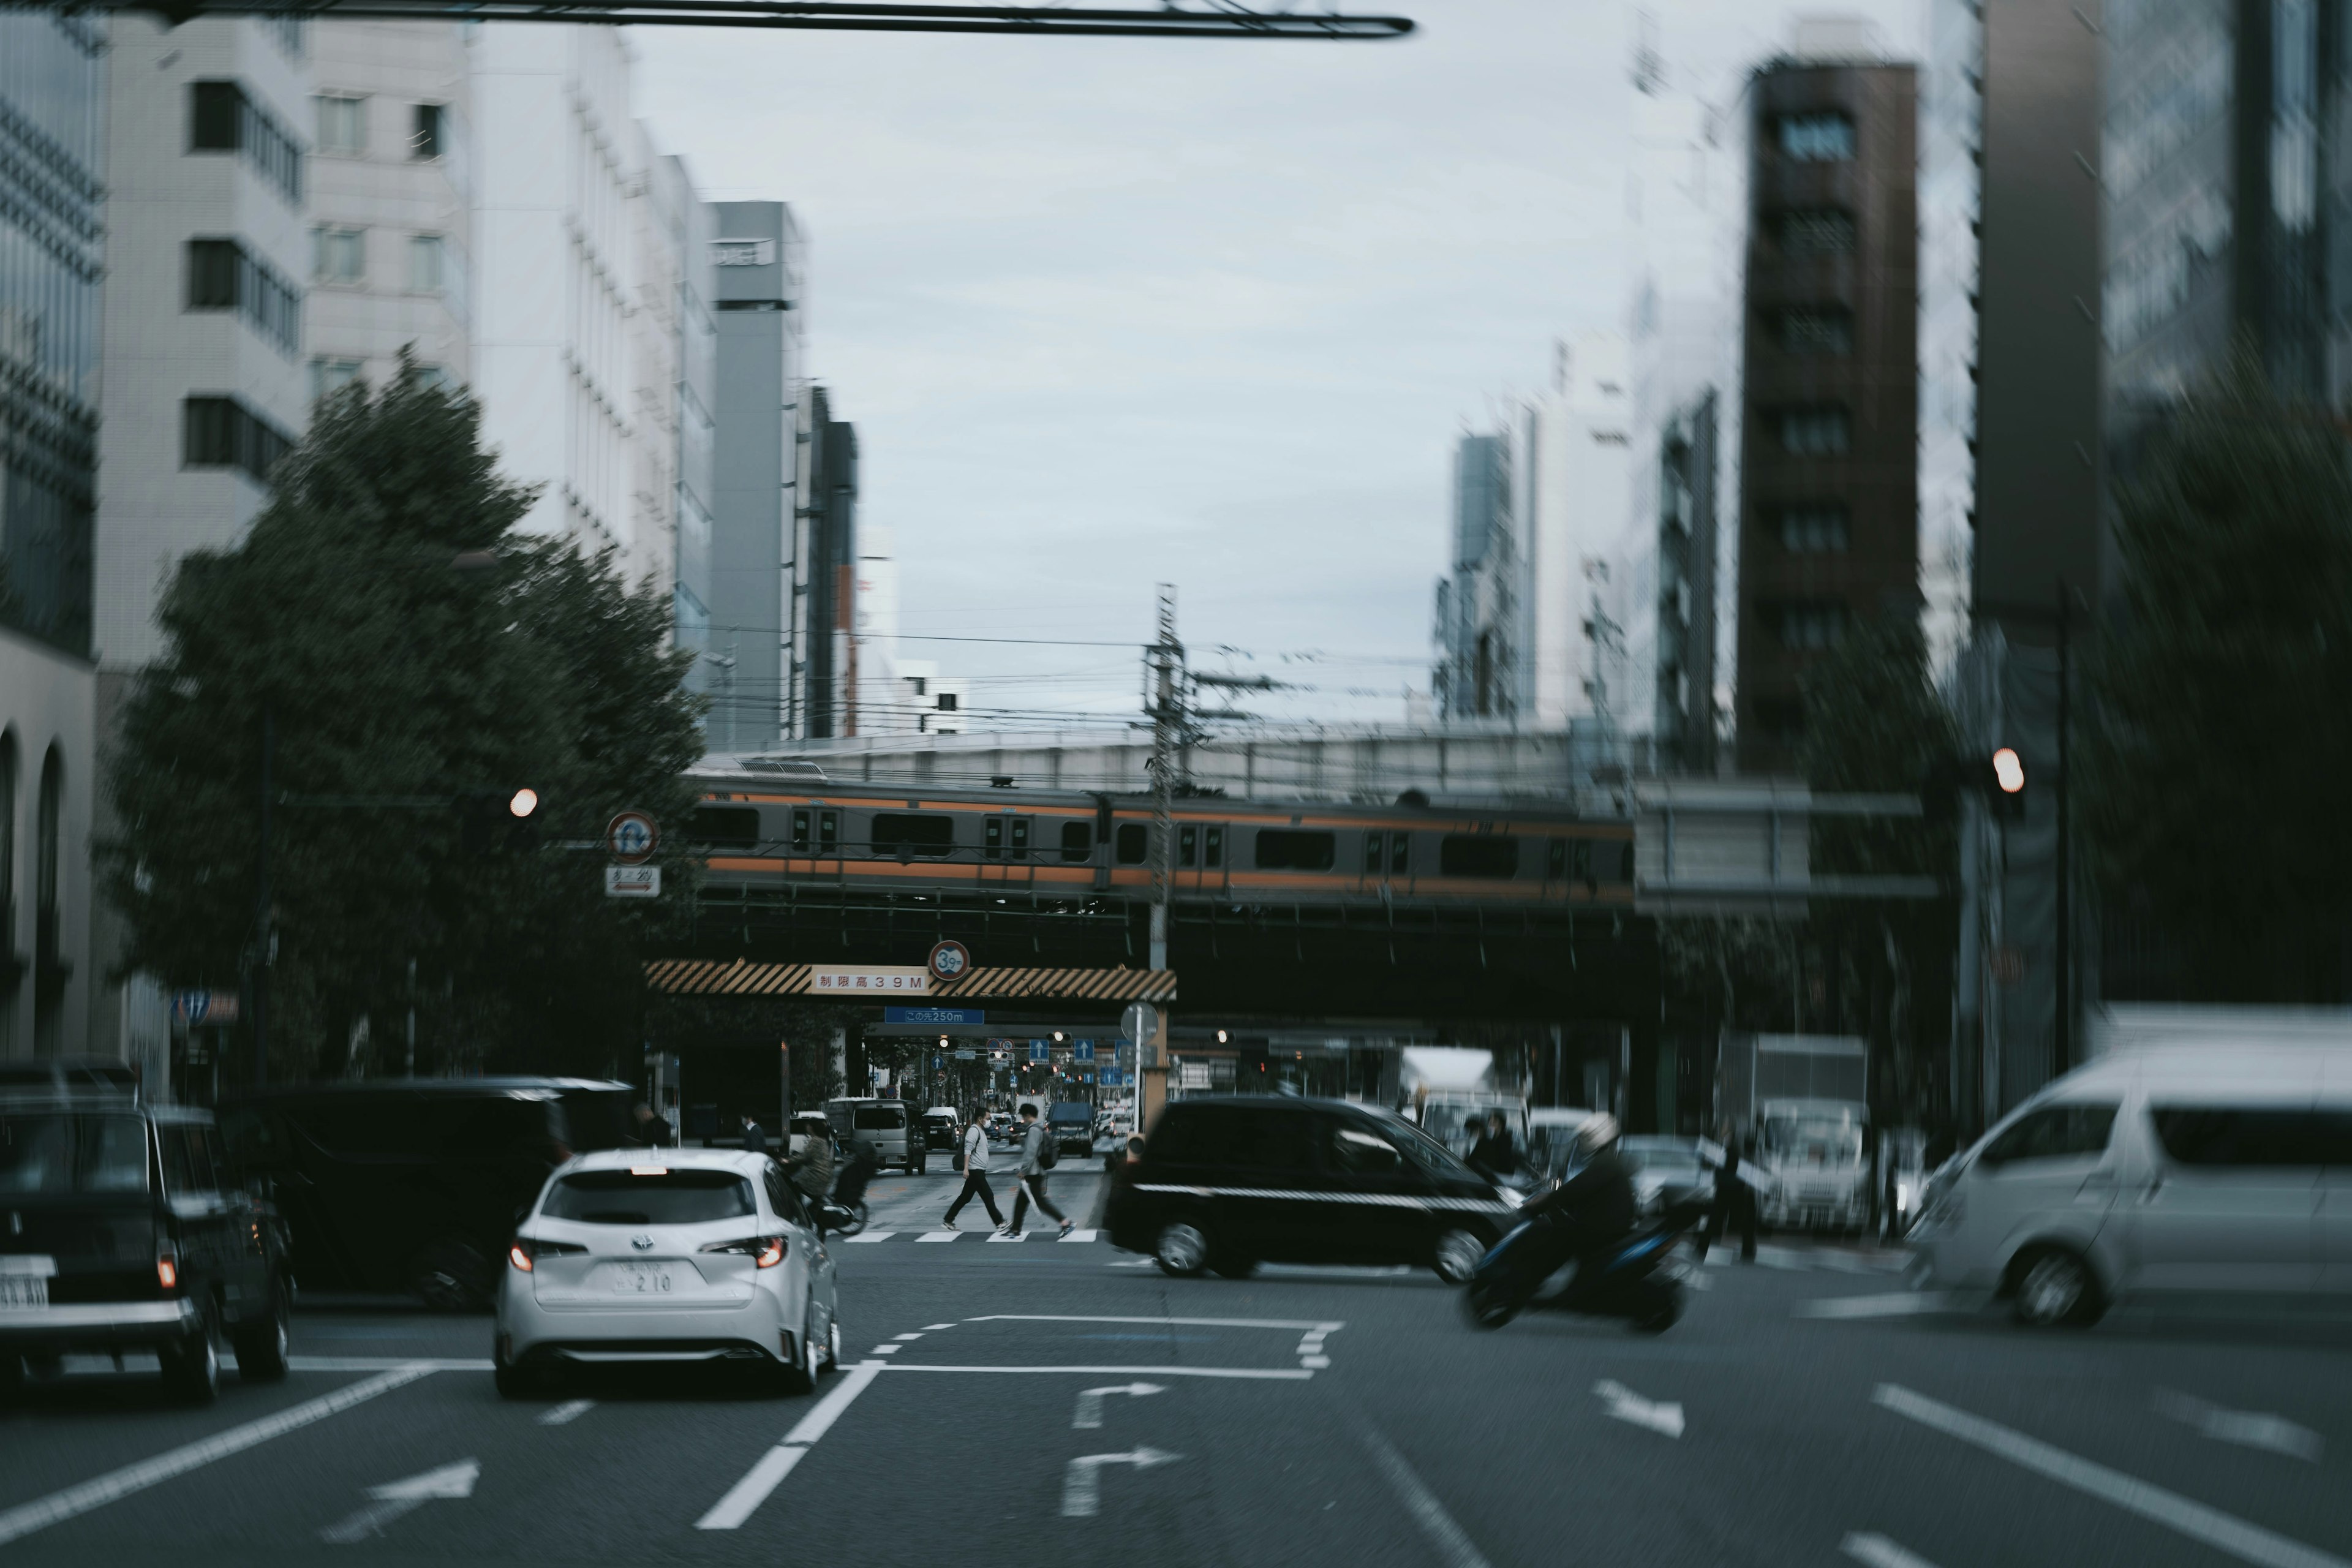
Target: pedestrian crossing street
[[1043, 1233]]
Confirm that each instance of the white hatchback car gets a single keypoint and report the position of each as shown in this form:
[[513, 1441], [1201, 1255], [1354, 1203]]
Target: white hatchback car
[[666, 1255]]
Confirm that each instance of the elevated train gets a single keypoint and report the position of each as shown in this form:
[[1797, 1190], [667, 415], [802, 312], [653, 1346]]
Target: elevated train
[[758, 831]]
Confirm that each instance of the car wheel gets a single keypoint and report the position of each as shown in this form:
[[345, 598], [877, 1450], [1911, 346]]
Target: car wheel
[[832, 1345], [1660, 1308], [191, 1367], [2055, 1288], [1182, 1250], [1489, 1307], [261, 1345], [1455, 1257], [800, 1376]]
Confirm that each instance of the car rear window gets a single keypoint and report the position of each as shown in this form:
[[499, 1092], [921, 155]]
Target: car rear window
[[58, 1153], [879, 1118], [672, 1197], [1072, 1112]]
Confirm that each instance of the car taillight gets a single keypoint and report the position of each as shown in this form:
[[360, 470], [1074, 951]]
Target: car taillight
[[526, 1250], [167, 1271], [766, 1251]]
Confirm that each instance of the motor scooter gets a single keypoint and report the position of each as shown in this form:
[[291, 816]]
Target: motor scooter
[[844, 1213], [1637, 1280]]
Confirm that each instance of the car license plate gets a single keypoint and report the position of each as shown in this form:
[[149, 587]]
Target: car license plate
[[643, 1279], [23, 1290]]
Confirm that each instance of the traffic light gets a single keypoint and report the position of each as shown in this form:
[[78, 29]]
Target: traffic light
[[499, 821], [2005, 784], [1998, 780]]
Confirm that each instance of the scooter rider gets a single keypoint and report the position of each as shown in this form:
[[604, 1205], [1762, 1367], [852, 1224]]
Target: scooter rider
[[1592, 1208]]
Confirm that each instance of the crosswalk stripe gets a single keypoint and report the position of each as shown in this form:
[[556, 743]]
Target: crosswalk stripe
[[871, 1236], [1001, 1235], [939, 1235], [1079, 1235]]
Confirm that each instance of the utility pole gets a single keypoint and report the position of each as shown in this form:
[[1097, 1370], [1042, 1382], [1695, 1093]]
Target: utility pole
[[1164, 668], [264, 939]]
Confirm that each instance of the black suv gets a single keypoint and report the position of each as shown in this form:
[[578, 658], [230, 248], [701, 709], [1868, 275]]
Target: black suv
[[1225, 1184], [122, 1228]]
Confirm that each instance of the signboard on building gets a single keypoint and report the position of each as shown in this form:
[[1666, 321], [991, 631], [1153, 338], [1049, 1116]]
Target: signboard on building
[[937, 1018], [742, 253], [873, 980]]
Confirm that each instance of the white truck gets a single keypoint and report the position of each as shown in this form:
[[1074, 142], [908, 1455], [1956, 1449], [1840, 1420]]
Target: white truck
[[1803, 1101]]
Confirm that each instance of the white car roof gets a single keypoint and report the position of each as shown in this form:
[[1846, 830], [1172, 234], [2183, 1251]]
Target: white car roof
[[741, 1161]]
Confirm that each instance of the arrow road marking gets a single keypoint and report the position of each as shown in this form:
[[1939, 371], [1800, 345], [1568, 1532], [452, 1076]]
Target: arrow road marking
[[1624, 1405], [394, 1498], [2225, 1532], [1091, 1401], [59, 1507], [1081, 1484], [2247, 1428]]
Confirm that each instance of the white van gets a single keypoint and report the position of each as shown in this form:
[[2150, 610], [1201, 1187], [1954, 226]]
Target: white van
[[2181, 1166]]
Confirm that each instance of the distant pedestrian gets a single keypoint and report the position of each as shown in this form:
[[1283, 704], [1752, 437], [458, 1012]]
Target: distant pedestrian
[[975, 1176], [1029, 1176], [1735, 1200], [1491, 1154], [653, 1129], [755, 1137]]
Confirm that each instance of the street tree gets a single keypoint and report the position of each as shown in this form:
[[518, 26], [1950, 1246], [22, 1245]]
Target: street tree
[[384, 641]]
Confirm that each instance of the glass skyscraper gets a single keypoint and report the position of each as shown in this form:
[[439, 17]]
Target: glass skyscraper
[[52, 237]]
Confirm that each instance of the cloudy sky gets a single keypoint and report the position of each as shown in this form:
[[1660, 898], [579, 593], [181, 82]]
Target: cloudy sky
[[1108, 313]]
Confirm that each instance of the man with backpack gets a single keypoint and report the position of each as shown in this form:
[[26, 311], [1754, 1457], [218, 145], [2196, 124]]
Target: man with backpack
[[1037, 1157]]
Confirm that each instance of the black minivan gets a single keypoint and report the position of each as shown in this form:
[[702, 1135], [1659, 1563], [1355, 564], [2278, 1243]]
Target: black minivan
[[1228, 1182], [122, 1227], [412, 1185]]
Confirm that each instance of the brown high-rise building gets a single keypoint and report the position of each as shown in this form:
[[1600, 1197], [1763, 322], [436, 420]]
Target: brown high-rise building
[[1829, 443]]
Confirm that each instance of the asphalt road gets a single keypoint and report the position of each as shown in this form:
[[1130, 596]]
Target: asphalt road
[[1803, 1412]]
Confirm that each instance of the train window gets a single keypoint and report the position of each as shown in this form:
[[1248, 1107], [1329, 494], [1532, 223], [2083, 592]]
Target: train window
[[1400, 854], [1584, 859], [800, 830], [1617, 861], [828, 830], [1477, 854], [904, 834], [1132, 845], [1020, 837], [1375, 856], [1078, 841], [1288, 850], [991, 837], [1556, 858], [735, 826], [1213, 852], [1188, 845]]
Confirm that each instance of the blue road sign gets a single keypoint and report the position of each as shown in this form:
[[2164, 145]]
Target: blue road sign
[[1040, 1051], [1111, 1077], [1083, 1051], [966, 1016]]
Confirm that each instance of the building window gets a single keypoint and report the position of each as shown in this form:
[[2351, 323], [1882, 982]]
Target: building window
[[1823, 136], [343, 124], [339, 255], [223, 276], [946, 702], [221, 433], [431, 376], [424, 139], [1815, 432], [425, 255], [329, 376], [1815, 231], [1807, 628], [1814, 529], [1816, 329], [222, 119]]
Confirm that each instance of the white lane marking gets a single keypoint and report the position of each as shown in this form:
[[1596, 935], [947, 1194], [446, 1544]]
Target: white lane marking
[[384, 1363], [1016, 1236], [2225, 1532], [870, 1236], [745, 1496], [1662, 1417], [2247, 1428], [935, 1328], [59, 1507], [563, 1415], [1453, 1545], [918, 1334], [941, 1236], [1082, 1483], [1276, 1374], [1316, 1361], [886, 1350], [1902, 1304], [1090, 1402], [1079, 1235], [396, 1498], [1181, 1323], [1878, 1552]]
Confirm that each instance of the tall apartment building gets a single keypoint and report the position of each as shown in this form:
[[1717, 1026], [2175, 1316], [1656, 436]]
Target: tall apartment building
[[761, 426], [1536, 507], [390, 194], [52, 148], [825, 656], [689, 221], [1829, 440]]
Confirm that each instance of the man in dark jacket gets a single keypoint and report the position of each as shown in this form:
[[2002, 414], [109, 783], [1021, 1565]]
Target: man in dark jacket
[[1592, 1209], [1735, 1200], [1491, 1154]]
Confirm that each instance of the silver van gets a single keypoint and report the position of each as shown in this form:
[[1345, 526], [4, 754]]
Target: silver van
[[2183, 1166], [886, 1128]]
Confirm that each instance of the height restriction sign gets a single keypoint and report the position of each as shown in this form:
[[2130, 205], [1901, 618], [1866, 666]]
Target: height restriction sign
[[631, 838]]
